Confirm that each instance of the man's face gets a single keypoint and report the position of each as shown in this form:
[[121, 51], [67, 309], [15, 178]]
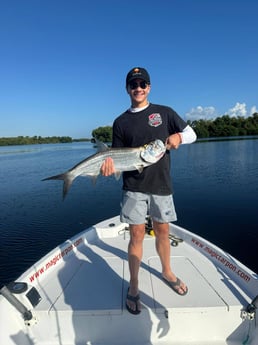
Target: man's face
[[138, 90]]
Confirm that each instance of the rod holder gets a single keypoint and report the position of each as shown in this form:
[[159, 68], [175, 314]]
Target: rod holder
[[26, 313]]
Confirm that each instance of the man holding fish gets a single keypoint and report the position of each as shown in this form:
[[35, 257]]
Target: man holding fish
[[148, 191]]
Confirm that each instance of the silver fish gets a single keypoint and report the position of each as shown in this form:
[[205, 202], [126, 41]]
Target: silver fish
[[125, 159]]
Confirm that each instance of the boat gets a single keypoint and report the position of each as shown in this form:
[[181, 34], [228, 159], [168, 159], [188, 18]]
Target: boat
[[76, 294]]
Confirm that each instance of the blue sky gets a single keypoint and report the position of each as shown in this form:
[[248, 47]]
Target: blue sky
[[64, 63]]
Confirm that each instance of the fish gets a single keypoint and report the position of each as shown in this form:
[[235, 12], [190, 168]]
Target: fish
[[125, 159]]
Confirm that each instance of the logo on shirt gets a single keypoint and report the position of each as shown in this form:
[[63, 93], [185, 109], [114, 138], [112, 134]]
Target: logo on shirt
[[155, 120]]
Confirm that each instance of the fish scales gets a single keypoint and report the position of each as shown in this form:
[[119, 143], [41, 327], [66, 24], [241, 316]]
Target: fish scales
[[125, 159]]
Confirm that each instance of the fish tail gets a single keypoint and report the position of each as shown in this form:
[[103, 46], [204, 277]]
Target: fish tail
[[67, 178]]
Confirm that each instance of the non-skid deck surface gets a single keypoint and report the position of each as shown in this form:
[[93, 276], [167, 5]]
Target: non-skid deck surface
[[86, 299], [96, 280]]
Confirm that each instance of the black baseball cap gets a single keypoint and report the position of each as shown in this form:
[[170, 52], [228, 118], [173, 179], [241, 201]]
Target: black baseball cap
[[137, 73]]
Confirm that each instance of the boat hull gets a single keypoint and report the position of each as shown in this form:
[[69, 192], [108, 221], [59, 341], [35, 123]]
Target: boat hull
[[82, 287]]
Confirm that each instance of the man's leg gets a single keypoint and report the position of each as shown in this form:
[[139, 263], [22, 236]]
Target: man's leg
[[163, 248], [137, 233]]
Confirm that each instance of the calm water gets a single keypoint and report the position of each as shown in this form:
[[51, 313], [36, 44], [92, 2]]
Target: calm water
[[216, 196]]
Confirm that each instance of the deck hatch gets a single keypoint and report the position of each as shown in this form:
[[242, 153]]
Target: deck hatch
[[91, 290], [201, 294]]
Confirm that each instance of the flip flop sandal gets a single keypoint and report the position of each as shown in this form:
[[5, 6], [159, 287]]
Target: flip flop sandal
[[175, 286], [134, 299]]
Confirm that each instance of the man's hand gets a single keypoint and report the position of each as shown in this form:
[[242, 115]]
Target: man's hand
[[173, 141], [108, 167]]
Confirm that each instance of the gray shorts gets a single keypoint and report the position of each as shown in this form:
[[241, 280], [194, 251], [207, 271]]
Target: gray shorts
[[136, 206]]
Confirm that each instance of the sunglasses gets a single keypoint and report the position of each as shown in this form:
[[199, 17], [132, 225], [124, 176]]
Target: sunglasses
[[134, 85]]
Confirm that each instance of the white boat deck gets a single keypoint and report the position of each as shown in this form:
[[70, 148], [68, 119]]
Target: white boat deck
[[91, 287], [83, 301]]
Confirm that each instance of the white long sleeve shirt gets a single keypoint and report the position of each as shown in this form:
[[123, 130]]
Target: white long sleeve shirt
[[188, 135]]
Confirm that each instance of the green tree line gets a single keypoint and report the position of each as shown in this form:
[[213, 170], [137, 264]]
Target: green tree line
[[223, 126], [103, 134], [226, 126], [20, 140]]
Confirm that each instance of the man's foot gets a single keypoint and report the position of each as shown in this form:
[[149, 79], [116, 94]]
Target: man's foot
[[178, 286], [133, 304]]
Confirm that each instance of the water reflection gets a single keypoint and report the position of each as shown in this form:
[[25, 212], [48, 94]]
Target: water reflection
[[216, 196]]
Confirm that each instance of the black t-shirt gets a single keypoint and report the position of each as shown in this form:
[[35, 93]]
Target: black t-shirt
[[137, 129]]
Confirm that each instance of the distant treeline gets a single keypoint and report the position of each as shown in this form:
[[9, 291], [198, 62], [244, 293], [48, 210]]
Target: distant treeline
[[20, 140], [223, 126], [226, 126]]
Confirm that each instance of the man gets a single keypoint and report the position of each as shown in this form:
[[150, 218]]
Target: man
[[150, 191]]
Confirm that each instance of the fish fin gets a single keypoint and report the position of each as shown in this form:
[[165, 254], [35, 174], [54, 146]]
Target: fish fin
[[67, 178], [102, 147], [140, 168], [117, 175]]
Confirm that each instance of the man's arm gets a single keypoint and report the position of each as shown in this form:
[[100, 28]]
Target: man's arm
[[187, 136]]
